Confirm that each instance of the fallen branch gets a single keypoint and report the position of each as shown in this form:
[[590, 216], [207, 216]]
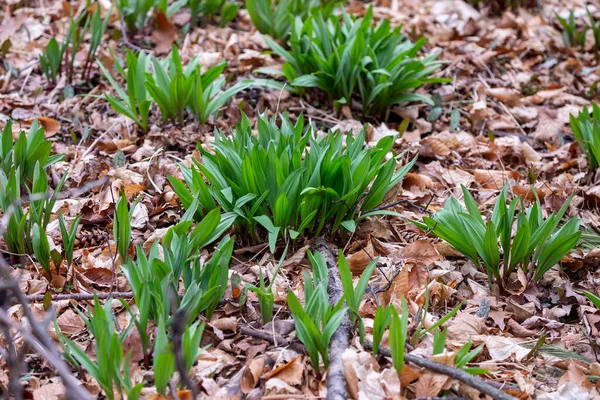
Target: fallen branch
[[83, 296], [275, 340], [340, 341], [455, 373]]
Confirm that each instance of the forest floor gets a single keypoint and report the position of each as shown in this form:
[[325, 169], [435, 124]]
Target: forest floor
[[514, 84]]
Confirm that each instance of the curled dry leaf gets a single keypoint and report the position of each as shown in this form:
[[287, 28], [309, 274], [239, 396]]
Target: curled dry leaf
[[463, 326], [70, 323], [251, 374], [510, 97], [420, 252], [51, 126], [490, 179], [365, 381], [225, 324], [503, 348], [359, 260], [165, 34], [290, 372]]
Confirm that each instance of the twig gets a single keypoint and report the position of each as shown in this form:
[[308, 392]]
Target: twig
[[10, 354], [455, 373], [74, 388], [340, 341], [275, 340], [83, 296], [178, 330]]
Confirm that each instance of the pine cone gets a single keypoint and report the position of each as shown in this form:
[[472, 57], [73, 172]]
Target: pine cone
[[90, 238]]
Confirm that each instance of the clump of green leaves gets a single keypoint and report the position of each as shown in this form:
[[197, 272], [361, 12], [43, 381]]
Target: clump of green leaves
[[41, 247], [349, 58], [155, 282], [595, 28], [274, 181], [23, 164], [51, 61], [572, 35], [398, 335], [537, 245], [26, 152], [68, 236], [173, 87], [111, 367], [134, 12], [122, 226], [209, 9], [354, 295], [135, 102], [274, 17], [266, 298], [317, 321], [586, 129]]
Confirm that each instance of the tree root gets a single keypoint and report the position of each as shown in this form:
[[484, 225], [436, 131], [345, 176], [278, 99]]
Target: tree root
[[340, 341]]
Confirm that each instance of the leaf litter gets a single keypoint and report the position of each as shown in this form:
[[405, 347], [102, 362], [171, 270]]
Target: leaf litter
[[513, 85]]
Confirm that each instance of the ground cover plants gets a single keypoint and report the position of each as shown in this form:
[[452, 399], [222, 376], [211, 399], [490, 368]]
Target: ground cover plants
[[299, 199], [272, 180], [346, 57]]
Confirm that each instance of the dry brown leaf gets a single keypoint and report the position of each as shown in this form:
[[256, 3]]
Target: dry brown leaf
[[490, 179], [291, 372], [420, 252], [251, 374], [359, 260], [70, 323], [464, 325], [430, 384], [165, 34], [51, 126], [50, 391], [510, 97], [517, 282], [225, 324], [502, 348]]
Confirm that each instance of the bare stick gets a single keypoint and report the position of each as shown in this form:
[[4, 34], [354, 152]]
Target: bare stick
[[178, 330], [83, 296], [74, 388], [340, 341], [10, 354], [455, 373]]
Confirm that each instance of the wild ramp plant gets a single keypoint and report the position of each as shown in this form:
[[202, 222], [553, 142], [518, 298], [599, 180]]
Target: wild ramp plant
[[173, 87], [134, 12], [51, 61], [23, 164], [571, 34], [209, 9], [317, 321], [275, 182], [586, 129], [154, 281], [349, 58], [274, 17], [537, 245]]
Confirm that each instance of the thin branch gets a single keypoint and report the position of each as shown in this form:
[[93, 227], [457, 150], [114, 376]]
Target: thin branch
[[178, 330], [75, 390], [455, 373], [83, 296]]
